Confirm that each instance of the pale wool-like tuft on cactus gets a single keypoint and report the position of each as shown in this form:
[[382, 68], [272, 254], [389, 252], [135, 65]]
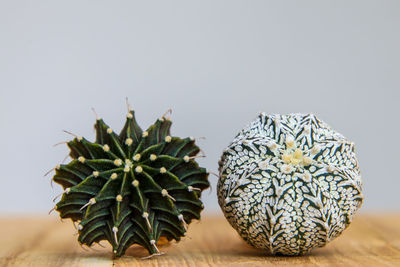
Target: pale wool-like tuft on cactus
[[131, 188], [289, 183]]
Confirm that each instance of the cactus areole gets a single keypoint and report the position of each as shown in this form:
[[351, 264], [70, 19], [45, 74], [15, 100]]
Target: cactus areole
[[289, 183], [131, 188]]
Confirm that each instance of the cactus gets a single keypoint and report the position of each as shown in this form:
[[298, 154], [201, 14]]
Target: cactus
[[131, 188], [289, 183]]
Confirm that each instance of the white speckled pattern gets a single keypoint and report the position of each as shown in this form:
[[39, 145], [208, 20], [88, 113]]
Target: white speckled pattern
[[289, 183]]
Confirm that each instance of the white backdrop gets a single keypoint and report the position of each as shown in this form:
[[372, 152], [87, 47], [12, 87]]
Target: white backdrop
[[215, 63]]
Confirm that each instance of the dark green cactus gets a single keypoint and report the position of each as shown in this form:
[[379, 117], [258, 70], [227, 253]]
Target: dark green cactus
[[131, 188]]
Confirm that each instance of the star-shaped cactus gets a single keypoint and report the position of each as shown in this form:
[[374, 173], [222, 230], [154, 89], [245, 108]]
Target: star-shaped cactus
[[133, 187], [289, 183]]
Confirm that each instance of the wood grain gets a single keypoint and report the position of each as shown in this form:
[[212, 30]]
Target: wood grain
[[371, 240]]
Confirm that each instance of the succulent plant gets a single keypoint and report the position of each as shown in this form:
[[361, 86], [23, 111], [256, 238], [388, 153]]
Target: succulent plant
[[289, 183], [131, 188]]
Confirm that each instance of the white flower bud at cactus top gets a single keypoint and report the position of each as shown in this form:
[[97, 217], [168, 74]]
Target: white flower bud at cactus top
[[168, 139], [287, 158], [138, 169], [95, 173], [286, 168], [290, 142], [145, 134], [163, 170], [294, 177], [136, 157], [118, 162], [113, 176], [153, 157], [298, 154]]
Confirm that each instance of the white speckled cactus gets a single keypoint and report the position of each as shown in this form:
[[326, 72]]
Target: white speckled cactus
[[289, 183]]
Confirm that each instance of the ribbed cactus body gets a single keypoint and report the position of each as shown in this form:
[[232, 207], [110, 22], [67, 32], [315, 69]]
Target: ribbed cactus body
[[131, 188], [289, 183]]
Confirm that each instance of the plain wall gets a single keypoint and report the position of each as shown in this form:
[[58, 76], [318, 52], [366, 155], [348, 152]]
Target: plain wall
[[217, 64]]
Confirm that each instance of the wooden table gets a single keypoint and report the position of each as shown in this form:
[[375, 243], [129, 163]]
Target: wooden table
[[371, 240]]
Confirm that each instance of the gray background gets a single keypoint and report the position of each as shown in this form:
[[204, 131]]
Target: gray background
[[215, 63]]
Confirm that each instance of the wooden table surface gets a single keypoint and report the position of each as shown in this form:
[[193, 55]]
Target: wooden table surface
[[371, 240]]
